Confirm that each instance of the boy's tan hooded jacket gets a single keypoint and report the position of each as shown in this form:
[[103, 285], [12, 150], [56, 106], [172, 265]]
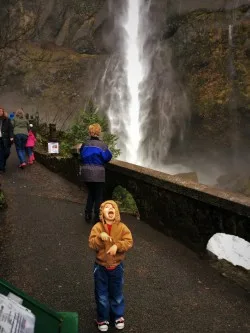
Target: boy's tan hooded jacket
[[120, 234]]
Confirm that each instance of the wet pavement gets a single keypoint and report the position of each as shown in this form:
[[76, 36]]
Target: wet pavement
[[44, 251]]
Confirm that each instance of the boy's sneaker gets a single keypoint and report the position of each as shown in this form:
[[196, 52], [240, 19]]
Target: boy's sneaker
[[103, 326], [119, 323]]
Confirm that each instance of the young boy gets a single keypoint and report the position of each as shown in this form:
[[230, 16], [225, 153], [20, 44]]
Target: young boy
[[110, 238]]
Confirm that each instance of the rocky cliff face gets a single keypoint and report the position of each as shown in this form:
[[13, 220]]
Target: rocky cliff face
[[52, 66], [211, 54], [71, 24]]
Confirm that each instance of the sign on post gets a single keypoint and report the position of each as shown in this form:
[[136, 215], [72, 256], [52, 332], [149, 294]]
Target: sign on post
[[53, 147], [15, 318]]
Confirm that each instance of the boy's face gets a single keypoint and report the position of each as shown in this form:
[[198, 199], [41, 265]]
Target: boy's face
[[109, 213]]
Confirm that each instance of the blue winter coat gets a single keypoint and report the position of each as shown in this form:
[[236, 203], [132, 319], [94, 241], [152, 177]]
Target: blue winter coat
[[93, 155]]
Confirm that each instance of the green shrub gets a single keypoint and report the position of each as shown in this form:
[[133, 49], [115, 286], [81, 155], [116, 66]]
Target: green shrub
[[78, 133], [125, 201], [41, 143]]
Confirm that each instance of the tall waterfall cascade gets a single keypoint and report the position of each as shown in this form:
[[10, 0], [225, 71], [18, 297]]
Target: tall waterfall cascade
[[145, 105], [134, 76], [122, 80]]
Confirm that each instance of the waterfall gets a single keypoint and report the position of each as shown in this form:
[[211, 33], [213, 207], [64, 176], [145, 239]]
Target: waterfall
[[120, 84], [145, 104], [233, 108], [123, 76], [230, 34], [134, 76]]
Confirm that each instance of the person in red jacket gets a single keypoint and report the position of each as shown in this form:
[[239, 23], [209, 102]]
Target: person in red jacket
[[30, 144]]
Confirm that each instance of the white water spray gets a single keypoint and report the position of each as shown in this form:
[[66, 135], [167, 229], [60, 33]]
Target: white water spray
[[119, 88], [145, 104], [134, 73]]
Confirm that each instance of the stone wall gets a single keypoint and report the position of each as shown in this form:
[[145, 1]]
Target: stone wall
[[187, 211]]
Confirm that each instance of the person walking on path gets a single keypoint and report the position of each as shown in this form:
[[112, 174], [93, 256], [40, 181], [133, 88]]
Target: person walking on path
[[30, 144], [110, 238], [6, 138], [93, 156], [21, 127]]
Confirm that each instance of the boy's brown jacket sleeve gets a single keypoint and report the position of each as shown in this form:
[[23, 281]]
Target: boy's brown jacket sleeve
[[95, 241], [126, 242]]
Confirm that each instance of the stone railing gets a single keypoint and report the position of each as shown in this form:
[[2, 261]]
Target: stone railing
[[185, 210]]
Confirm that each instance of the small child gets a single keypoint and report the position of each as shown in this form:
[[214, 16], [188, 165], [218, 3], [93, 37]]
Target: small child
[[110, 238], [30, 144]]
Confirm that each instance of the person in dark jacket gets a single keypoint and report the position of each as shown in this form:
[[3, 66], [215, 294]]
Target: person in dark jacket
[[93, 155], [6, 138]]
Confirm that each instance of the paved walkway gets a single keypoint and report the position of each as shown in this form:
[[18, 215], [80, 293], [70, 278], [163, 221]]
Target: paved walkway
[[44, 251]]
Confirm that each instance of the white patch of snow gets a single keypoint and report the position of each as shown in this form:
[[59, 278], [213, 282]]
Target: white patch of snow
[[231, 248]]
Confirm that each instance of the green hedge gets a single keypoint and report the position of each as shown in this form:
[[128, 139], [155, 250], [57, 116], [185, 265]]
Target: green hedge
[[125, 201]]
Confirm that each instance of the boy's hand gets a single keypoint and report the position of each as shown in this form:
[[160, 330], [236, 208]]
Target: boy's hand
[[112, 251], [104, 236]]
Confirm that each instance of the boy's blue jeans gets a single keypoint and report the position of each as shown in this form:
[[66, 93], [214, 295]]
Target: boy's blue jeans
[[108, 292], [20, 142]]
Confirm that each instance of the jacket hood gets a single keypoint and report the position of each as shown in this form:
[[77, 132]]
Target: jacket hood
[[117, 213]]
